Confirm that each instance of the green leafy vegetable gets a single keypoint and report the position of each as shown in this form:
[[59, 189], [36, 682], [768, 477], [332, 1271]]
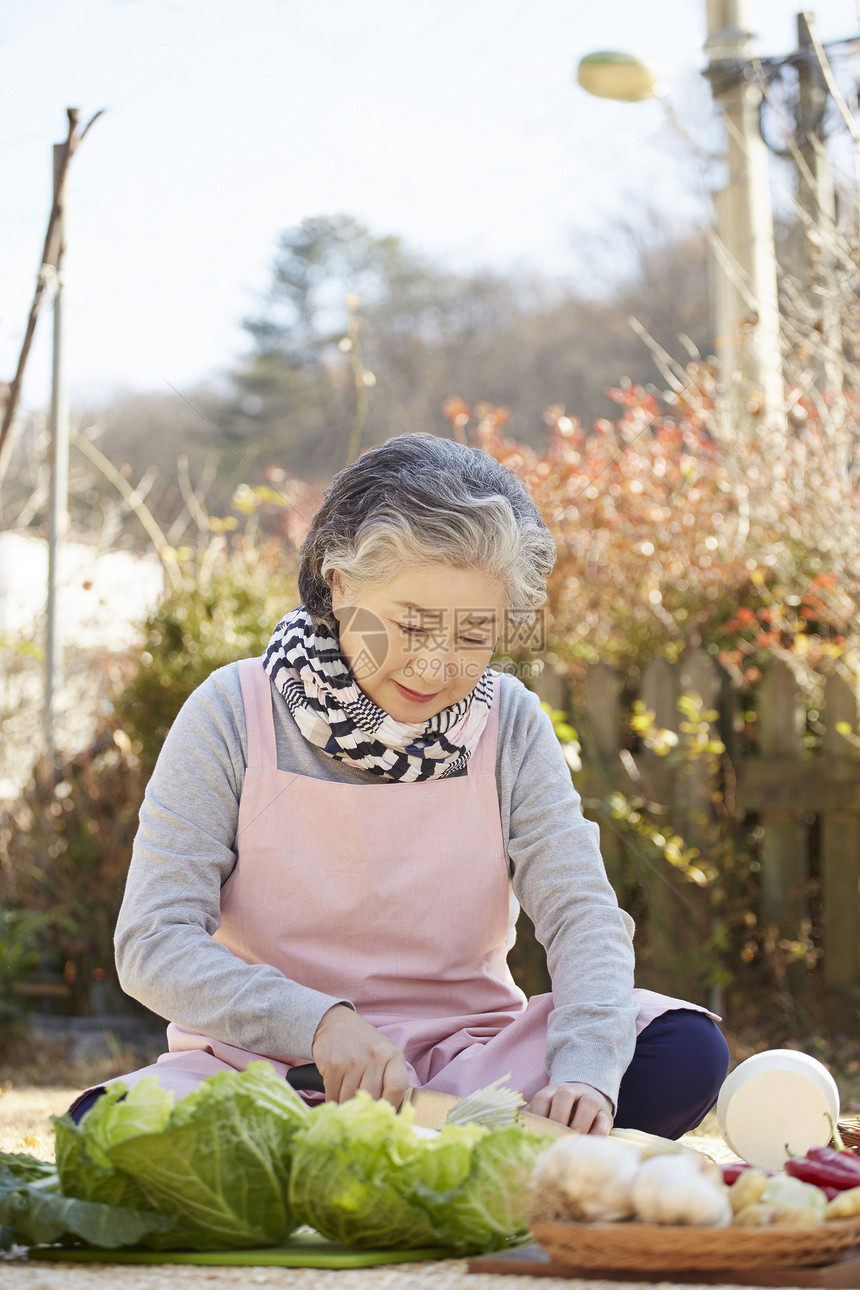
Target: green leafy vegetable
[[83, 1151], [33, 1211], [362, 1176], [217, 1162], [19, 1168], [241, 1162]]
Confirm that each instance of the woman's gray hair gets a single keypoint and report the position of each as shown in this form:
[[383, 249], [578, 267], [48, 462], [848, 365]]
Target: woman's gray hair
[[417, 500]]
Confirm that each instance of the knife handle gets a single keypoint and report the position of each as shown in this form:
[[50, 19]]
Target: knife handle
[[307, 1078]]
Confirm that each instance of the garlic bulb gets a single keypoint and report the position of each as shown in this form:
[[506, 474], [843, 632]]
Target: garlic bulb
[[676, 1189], [586, 1177]]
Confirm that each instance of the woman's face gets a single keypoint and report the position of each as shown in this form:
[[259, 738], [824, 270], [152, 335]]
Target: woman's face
[[419, 643]]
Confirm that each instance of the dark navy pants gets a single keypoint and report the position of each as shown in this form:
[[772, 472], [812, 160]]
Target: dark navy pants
[[681, 1059], [680, 1062]]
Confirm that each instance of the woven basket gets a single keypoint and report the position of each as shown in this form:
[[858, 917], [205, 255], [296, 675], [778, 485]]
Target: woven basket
[[645, 1247], [850, 1133]]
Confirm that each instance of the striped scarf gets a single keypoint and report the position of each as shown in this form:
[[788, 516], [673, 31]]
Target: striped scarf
[[305, 663]]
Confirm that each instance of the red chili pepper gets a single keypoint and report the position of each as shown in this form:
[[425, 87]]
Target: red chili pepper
[[831, 1154], [823, 1173], [841, 1159], [733, 1170]]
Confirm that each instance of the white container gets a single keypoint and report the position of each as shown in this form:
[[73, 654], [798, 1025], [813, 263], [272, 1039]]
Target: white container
[[777, 1104]]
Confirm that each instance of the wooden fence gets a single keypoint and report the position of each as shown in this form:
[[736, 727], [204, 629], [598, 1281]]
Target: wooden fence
[[804, 804]]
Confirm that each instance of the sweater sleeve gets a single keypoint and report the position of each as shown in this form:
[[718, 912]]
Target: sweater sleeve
[[559, 878], [183, 853]]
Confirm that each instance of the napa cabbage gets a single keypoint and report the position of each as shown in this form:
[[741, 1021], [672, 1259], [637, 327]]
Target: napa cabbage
[[362, 1176], [217, 1162]]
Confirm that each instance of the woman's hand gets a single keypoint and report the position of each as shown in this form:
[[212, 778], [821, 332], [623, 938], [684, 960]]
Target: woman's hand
[[579, 1105], [351, 1054]]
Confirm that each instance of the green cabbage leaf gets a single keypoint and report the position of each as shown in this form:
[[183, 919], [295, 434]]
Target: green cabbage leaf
[[362, 1175], [217, 1162], [33, 1211]]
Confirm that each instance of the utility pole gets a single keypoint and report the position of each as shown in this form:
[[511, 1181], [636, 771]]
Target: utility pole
[[746, 312], [58, 463], [816, 196], [46, 275], [50, 283]]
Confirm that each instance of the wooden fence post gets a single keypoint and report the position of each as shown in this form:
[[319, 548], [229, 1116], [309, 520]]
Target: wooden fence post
[[553, 687], [783, 872], [603, 719], [602, 701], [840, 848], [699, 675], [668, 908]]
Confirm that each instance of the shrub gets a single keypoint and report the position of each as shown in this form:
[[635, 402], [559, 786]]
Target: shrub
[[673, 531], [66, 844], [225, 609], [19, 956], [65, 847]]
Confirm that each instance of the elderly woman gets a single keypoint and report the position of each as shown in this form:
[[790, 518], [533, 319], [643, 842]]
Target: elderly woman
[[336, 837]]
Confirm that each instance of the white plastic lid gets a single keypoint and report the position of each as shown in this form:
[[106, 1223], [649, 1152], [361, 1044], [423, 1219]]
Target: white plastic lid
[[776, 1104]]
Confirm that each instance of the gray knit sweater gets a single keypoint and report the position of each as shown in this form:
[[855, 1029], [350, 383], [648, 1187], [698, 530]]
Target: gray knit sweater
[[185, 851]]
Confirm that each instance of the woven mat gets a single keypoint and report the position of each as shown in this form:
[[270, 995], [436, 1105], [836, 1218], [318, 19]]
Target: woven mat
[[450, 1275]]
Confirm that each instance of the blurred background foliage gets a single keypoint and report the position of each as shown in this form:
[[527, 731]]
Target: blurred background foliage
[[674, 529]]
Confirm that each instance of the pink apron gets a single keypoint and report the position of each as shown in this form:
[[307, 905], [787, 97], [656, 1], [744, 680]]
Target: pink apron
[[394, 898]]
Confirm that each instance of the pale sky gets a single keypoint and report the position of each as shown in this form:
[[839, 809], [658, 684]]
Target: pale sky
[[456, 124]]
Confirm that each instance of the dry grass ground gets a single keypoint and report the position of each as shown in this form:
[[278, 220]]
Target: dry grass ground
[[47, 1064], [25, 1118]]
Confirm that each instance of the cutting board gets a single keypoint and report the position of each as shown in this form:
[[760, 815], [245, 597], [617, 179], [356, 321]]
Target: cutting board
[[302, 1250], [432, 1110], [533, 1261]]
